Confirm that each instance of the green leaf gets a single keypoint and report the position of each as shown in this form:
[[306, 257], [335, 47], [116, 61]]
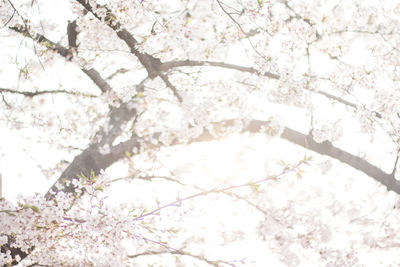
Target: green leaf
[[99, 188], [255, 187], [47, 44], [92, 174], [35, 209]]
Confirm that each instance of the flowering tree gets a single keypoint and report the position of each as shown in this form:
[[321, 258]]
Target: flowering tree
[[136, 80]]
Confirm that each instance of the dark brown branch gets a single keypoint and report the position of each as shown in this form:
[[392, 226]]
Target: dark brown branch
[[32, 94]]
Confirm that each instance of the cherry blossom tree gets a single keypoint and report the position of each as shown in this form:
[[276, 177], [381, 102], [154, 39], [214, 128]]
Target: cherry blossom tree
[[120, 86]]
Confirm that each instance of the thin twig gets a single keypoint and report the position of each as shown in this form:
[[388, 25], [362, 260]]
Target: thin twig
[[32, 94], [203, 193], [171, 86]]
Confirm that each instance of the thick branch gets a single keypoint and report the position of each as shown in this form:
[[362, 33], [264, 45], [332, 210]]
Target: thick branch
[[95, 76], [72, 34], [91, 160], [324, 148], [101, 154]]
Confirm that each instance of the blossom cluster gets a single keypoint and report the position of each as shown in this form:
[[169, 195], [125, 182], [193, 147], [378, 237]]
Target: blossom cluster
[[51, 229]]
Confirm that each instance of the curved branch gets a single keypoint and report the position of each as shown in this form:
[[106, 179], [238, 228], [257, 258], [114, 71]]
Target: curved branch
[[324, 148], [178, 252], [192, 63]]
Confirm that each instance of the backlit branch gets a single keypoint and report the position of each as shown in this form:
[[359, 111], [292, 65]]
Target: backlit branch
[[72, 34], [93, 74], [233, 195], [181, 253], [32, 94], [223, 190], [171, 86], [150, 63], [324, 148], [192, 63]]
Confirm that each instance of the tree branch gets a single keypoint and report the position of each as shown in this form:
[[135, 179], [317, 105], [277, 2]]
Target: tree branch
[[171, 86], [324, 148], [93, 74], [178, 252], [150, 63], [395, 163], [72, 34], [32, 94], [41, 39], [192, 63]]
